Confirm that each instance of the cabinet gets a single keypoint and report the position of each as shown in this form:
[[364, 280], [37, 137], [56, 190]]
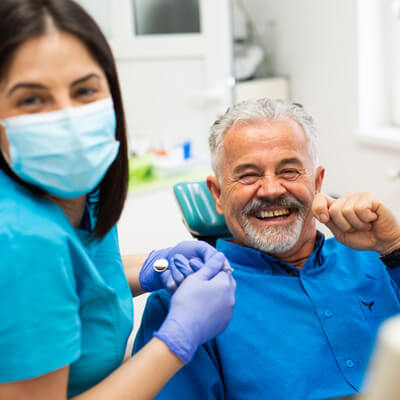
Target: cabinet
[[275, 87]]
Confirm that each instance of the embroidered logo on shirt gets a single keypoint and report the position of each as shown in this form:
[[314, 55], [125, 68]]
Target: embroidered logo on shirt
[[369, 305]]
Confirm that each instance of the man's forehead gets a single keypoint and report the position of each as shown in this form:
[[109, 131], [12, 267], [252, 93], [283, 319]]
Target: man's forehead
[[267, 127], [265, 144], [275, 136], [254, 162]]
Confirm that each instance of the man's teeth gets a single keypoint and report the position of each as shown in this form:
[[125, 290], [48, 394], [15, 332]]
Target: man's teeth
[[274, 213]]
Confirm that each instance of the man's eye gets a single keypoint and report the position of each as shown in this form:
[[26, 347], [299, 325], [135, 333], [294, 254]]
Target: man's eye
[[289, 174], [248, 179]]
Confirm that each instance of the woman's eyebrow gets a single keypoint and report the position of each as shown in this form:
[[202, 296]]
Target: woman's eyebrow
[[26, 85], [85, 78], [34, 85]]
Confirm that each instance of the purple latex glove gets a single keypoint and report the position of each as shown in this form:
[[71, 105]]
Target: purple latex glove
[[200, 309], [151, 280], [182, 267]]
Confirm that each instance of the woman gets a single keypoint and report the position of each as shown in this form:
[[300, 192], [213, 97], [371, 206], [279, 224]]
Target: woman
[[66, 305]]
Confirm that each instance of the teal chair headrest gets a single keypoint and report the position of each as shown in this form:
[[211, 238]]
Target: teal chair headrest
[[198, 210]]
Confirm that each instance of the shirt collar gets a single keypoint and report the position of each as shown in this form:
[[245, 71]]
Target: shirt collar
[[247, 257]]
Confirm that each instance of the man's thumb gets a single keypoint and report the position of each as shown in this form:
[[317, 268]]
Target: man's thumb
[[320, 207]]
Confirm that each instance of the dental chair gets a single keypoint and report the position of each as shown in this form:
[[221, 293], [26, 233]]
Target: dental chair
[[198, 212]]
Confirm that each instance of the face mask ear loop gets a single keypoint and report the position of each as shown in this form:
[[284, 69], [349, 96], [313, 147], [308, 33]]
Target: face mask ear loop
[[8, 160]]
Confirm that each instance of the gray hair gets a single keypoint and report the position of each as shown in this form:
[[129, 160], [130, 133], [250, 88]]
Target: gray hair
[[264, 109]]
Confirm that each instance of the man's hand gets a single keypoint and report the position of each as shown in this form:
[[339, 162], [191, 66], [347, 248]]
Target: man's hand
[[359, 220]]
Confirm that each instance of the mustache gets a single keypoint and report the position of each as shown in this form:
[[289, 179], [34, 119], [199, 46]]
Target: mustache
[[257, 204]]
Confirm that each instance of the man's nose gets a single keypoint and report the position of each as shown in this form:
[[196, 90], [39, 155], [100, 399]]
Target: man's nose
[[271, 187]]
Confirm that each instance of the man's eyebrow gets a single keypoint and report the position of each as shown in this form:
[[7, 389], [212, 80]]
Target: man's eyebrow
[[243, 167], [26, 85], [85, 78], [290, 160]]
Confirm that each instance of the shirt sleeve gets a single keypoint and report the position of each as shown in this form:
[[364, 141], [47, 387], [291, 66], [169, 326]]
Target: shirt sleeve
[[395, 275], [39, 308], [198, 380]]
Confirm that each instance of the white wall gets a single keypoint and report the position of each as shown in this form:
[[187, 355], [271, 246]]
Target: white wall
[[316, 46], [151, 220]]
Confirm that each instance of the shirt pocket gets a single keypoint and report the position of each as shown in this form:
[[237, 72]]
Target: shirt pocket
[[377, 299]]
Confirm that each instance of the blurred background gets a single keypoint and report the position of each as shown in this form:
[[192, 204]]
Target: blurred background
[[183, 62]]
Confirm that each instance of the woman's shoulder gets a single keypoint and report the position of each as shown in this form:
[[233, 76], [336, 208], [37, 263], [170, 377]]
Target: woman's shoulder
[[38, 284], [25, 215], [34, 243]]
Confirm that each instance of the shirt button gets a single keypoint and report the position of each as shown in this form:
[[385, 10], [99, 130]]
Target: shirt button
[[328, 313], [349, 364]]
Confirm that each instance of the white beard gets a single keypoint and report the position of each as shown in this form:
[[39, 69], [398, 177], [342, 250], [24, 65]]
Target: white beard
[[274, 239], [277, 239]]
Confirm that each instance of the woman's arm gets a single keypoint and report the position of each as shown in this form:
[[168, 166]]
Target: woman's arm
[[140, 378], [132, 266], [200, 309]]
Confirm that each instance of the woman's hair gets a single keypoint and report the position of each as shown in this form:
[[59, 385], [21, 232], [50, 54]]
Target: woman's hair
[[21, 20]]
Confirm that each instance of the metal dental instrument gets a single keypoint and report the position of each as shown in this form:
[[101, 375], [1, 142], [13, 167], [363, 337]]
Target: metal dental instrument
[[160, 265]]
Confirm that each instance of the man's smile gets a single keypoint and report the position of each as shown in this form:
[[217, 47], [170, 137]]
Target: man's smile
[[264, 213], [273, 216], [267, 214]]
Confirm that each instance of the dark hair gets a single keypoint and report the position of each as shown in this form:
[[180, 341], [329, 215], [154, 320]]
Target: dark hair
[[21, 20]]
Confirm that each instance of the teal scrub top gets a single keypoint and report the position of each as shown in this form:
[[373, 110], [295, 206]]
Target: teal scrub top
[[64, 299]]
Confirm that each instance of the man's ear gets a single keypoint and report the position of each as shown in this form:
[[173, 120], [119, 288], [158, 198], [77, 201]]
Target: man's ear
[[319, 177], [214, 188]]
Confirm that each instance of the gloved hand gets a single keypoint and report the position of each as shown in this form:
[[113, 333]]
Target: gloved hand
[[179, 258], [151, 280], [200, 309]]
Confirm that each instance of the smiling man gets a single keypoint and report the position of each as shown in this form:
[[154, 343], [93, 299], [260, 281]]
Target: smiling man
[[266, 178], [307, 310]]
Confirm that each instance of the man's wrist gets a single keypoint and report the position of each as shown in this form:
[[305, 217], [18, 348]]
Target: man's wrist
[[392, 259], [390, 248]]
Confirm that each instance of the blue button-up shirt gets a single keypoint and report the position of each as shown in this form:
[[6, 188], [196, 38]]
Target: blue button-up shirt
[[295, 334]]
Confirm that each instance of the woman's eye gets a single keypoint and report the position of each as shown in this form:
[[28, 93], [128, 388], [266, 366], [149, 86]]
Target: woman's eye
[[29, 101], [85, 92], [289, 174]]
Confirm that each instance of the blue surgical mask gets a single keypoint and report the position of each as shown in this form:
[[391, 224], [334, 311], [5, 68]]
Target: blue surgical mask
[[66, 152]]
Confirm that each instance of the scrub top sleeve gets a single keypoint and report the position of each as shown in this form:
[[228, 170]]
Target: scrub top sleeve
[[39, 311], [198, 380]]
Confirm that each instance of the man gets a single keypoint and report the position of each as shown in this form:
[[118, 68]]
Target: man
[[307, 310]]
